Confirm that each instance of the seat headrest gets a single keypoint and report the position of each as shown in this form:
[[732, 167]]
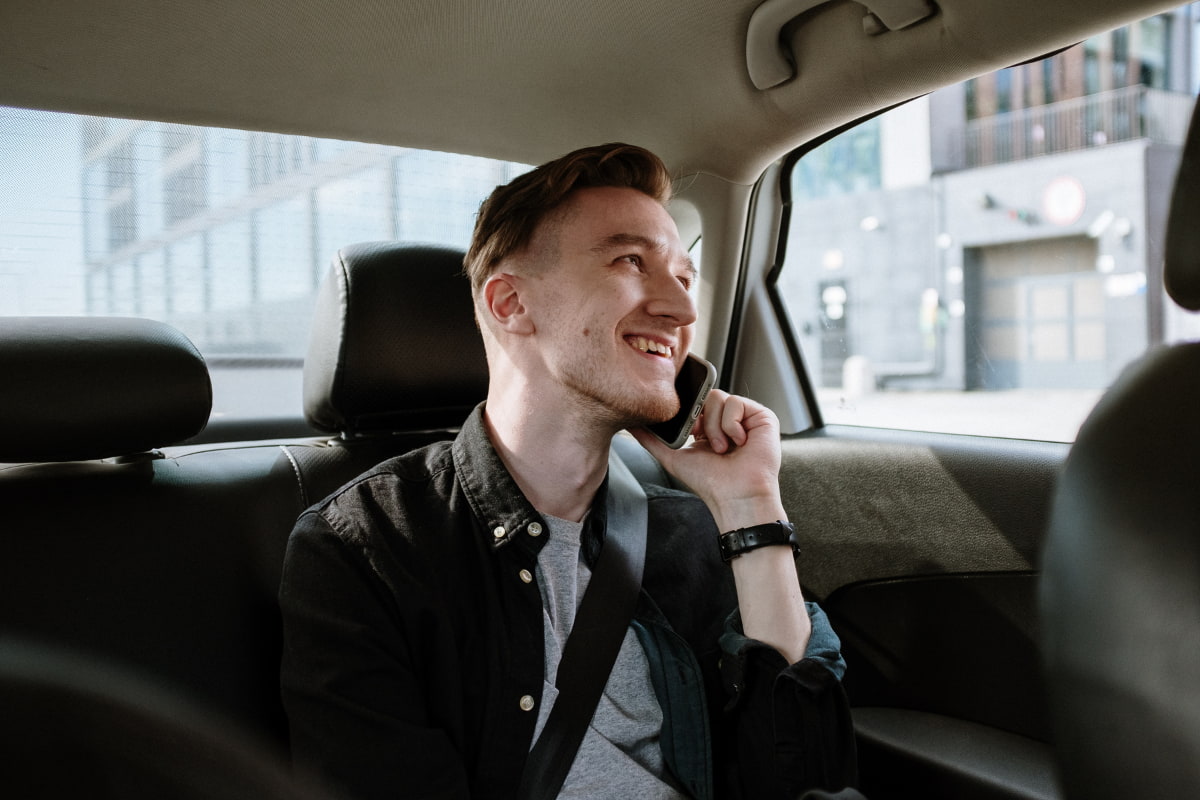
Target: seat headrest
[[81, 388], [1181, 268], [394, 344], [1120, 599]]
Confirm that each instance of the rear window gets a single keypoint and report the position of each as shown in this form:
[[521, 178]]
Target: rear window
[[221, 233]]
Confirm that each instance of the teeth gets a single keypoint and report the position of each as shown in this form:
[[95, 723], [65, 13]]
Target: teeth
[[647, 346]]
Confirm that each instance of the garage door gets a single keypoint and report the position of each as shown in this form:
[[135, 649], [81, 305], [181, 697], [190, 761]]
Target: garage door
[[1039, 316]]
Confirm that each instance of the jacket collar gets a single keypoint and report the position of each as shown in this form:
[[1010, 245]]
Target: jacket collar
[[504, 515]]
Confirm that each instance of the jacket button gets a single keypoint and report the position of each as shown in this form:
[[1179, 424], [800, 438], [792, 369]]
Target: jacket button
[[526, 575], [499, 532], [535, 529], [527, 703]]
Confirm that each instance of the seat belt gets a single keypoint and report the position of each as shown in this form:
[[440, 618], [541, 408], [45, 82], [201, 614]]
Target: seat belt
[[595, 639]]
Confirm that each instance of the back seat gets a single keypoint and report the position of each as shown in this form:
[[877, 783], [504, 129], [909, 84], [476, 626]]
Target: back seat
[[126, 547]]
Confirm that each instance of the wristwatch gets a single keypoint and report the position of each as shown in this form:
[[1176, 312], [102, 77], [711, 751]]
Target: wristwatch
[[743, 540]]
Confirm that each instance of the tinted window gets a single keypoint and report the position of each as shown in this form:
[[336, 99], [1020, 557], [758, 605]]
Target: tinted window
[[221, 233]]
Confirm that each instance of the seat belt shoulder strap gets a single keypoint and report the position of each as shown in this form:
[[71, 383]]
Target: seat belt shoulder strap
[[596, 635]]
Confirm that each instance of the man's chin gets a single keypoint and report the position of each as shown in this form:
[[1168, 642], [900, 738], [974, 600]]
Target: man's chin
[[652, 413], [634, 409]]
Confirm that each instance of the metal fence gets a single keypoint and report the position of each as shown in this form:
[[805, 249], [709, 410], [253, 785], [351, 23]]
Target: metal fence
[[1120, 115]]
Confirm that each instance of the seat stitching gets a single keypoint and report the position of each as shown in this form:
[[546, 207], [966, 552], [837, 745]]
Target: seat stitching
[[299, 475]]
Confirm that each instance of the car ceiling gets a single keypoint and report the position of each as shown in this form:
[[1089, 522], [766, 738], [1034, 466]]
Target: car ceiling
[[523, 80]]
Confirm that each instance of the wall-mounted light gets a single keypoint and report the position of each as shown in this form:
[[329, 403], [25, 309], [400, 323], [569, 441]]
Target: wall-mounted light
[[834, 301], [1101, 223]]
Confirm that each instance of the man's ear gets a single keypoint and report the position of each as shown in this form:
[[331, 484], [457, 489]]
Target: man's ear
[[502, 303]]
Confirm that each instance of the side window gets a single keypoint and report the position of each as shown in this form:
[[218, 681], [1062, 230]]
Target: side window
[[224, 234], [987, 259]]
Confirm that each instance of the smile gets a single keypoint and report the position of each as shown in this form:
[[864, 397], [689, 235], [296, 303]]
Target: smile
[[648, 346]]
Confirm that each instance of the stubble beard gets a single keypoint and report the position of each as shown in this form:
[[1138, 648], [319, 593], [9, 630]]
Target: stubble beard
[[620, 405]]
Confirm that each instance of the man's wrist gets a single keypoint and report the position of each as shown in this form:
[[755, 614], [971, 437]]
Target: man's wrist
[[738, 542], [745, 512]]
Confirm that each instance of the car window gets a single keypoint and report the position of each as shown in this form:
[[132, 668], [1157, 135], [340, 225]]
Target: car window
[[988, 258], [224, 234]]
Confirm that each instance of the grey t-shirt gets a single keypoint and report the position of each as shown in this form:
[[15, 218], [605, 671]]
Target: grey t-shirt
[[620, 754]]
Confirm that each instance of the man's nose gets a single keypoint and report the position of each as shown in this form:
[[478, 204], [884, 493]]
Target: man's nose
[[670, 298]]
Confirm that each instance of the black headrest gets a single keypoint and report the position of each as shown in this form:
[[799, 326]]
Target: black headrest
[[1181, 269], [394, 344], [79, 388]]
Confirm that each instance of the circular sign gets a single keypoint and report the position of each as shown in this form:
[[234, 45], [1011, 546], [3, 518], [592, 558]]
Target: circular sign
[[1063, 201]]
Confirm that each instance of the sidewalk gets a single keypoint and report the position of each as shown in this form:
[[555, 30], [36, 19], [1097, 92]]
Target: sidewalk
[[1046, 414]]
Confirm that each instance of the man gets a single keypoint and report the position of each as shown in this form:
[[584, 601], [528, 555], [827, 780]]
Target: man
[[426, 604]]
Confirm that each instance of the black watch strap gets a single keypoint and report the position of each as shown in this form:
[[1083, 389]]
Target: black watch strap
[[743, 540]]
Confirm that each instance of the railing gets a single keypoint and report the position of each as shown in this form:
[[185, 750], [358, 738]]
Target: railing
[[1135, 112]]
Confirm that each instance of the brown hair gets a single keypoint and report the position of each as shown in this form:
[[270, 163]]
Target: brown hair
[[511, 214]]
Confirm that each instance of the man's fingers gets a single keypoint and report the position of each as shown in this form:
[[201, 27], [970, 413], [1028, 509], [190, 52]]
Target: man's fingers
[[711, 421], [733, 415]]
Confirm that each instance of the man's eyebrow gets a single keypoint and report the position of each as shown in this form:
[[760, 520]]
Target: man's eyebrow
[[618, 240]]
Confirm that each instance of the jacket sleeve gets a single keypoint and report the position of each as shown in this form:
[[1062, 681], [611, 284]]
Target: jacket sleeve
[[350, 688], [787, 726]]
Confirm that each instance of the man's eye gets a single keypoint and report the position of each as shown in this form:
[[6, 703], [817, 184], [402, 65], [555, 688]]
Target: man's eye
[[636, 260]]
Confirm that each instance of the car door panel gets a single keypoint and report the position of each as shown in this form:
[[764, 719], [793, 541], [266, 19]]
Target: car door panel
[[923, 549]]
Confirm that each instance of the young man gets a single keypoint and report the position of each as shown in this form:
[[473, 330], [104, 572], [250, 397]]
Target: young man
[[426, 604]]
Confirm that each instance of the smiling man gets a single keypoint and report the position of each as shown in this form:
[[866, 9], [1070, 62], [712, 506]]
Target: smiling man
[[427, 603]]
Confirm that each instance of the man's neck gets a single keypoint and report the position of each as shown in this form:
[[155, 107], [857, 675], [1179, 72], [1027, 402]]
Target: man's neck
[[557, 459]]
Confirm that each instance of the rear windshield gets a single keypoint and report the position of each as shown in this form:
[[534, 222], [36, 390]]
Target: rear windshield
[[221, 233]]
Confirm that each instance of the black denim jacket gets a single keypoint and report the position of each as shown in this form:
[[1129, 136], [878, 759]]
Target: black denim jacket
[[413, 655]]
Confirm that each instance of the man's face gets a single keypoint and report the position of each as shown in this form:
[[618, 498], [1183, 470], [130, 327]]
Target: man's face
[[612, 311]]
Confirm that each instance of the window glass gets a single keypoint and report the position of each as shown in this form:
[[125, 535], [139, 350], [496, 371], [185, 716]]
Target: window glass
[[152, 289], [233, 284], [356, 208], [123, 295], [224, 234], [286, 267], [188, 284], [984, 260]]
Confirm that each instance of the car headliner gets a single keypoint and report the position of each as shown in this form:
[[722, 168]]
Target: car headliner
[[514, 79]]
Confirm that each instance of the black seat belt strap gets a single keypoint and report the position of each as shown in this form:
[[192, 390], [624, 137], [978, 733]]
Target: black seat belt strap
[[591, 648]]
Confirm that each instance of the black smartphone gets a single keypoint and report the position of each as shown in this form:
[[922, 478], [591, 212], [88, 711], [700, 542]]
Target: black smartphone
[[692, 384]]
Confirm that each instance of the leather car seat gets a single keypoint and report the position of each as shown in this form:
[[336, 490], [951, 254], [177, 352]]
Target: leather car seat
[[74, 726], [393, 344], [1120, 593]]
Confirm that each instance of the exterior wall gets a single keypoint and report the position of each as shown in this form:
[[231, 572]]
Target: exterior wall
[[886, 249], [1098, 194]]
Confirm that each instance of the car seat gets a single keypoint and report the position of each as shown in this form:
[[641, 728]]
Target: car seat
[[1120, 593]]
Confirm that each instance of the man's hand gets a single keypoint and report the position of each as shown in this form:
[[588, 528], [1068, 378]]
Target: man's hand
[[733, 465], [732, 462]]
